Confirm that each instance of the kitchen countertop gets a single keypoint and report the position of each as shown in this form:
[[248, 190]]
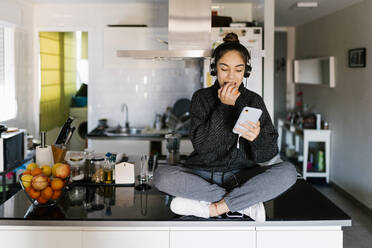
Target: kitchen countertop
[[301, 205]]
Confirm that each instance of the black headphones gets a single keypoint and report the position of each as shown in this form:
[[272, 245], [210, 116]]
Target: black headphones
[[213, 66]]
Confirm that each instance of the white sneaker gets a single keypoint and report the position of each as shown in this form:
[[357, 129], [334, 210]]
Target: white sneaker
[[256, 212], [184, 206]]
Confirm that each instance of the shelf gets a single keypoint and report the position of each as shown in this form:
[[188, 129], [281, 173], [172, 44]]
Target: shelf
[[308, 136]]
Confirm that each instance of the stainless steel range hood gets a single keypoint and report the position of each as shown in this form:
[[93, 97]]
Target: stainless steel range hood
[[189, 32]]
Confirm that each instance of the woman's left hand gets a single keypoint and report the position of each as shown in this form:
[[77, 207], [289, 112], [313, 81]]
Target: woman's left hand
[[252, 132]]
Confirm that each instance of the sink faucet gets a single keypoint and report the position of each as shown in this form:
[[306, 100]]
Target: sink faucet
[[124, 106]]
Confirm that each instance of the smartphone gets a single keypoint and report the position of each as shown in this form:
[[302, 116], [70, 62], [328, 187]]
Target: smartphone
[[248, 113]]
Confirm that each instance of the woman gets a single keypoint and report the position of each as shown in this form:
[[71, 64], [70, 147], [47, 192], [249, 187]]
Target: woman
[[222, 174]]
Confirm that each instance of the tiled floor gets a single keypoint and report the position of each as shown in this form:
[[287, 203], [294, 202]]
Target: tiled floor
[[359, 235]]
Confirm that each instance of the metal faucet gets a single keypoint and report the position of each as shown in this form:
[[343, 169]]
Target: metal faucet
[[124, 106]]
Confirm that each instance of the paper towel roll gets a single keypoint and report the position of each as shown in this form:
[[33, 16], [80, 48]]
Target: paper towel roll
[[318, 121], [44, 156]]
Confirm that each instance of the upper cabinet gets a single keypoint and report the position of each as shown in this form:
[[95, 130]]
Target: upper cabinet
[[315, 71]]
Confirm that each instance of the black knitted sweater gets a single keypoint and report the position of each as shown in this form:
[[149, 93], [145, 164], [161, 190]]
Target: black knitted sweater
[[215, 145]]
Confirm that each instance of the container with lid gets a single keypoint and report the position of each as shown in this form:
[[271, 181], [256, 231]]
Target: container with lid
[[96, 167], [76, 160]]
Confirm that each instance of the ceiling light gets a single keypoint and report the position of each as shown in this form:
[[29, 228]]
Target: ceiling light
[[307, 4]]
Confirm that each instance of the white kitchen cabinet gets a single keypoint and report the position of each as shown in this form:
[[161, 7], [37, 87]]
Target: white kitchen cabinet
[[172, 237], [40, 239], [299, 238], [127, 239], [130, 147], [215, 239]]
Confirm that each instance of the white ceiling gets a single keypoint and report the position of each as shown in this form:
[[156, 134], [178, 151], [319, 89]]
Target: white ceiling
[[287, 15], [285, 12]]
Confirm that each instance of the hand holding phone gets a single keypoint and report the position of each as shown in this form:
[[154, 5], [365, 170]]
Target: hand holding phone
[[247, 114]]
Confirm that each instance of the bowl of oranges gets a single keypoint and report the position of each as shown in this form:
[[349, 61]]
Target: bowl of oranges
[[45, 185]]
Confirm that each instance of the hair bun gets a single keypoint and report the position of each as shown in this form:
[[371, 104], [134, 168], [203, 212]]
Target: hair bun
[[231, 37]]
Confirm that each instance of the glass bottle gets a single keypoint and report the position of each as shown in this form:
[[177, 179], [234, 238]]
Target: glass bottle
[[108, 169]]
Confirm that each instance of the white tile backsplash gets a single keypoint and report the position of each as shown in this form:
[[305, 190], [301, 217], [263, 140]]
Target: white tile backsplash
[[146, 91]]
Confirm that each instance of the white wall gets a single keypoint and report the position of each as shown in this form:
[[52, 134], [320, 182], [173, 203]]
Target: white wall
[[347, 107], [269, 33], [20, 14], [110, 86]]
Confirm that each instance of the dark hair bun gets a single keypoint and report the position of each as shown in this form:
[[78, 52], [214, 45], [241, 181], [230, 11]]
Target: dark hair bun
[[231, 37]]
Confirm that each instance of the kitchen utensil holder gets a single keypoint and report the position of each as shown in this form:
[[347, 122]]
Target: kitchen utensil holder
[[59, 153]]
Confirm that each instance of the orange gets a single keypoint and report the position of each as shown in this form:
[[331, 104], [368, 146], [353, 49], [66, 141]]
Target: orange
[[56, 194], [27, 172], [57, 184], [34, 194], [41, 200], [47, 193], [36, 171], [28, 189]]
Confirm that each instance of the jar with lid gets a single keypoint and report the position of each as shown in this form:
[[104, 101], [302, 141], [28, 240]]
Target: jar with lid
[[76, 160], [97, 163]]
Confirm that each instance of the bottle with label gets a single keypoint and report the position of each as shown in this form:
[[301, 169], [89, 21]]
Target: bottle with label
[[108, 169], [320, 161]]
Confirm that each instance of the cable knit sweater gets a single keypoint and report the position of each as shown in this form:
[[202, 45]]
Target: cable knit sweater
[[215, 145]]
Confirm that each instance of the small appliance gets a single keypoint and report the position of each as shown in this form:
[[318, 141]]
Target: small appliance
[[13, 147]]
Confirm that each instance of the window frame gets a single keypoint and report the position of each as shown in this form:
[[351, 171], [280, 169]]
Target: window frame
[[8, 84]]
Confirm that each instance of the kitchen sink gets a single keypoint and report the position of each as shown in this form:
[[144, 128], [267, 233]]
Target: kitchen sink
[[121, 131]]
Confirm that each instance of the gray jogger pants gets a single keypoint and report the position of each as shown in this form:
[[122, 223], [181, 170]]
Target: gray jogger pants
[[239, 188]]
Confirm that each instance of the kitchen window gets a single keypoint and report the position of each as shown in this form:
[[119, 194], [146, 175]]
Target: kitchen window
[[8, 103]]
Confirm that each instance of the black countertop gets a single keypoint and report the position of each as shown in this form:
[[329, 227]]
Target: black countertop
[[301, 205]]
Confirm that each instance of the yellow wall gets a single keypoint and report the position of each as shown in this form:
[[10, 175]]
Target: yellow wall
[[58, 77], [84, 45]]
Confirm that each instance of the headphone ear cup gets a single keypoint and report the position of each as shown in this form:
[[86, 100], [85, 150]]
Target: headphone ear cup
[[247, 70], [213, 70]]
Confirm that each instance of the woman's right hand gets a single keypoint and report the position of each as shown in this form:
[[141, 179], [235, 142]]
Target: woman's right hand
[[228, 94]]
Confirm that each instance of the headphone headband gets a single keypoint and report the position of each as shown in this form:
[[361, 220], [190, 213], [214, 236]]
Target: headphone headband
[[247, 68]]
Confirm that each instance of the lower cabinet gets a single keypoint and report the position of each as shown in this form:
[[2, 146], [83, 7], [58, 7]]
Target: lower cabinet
[[215, 239], [303, 239], [170, 237], [127, 239], [40, 239]]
